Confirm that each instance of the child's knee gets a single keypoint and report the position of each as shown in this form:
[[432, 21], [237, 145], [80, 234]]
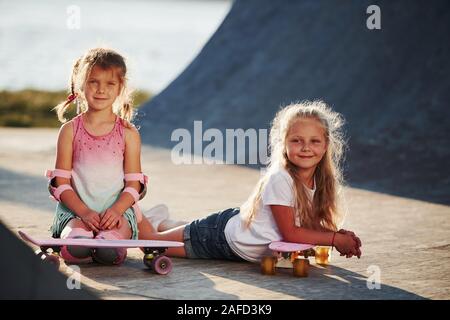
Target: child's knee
[[110, 256], [79, 226], [77, 233], [75, 254]]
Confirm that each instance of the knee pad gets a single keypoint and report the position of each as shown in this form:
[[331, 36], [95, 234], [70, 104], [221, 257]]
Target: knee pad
[[73, 254], [109, 256]]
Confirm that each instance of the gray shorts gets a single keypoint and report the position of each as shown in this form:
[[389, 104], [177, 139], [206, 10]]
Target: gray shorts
[[63, 215]]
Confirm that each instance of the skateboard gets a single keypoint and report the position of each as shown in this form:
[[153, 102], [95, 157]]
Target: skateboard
[[154, 257], [293, 255]]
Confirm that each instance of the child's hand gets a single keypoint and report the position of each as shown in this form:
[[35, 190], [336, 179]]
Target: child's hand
[[91, 219], [110, 219], [358, 242], [346, 244]]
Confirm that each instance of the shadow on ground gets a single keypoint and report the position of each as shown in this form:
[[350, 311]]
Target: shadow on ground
[[231, 280], [24, 276]]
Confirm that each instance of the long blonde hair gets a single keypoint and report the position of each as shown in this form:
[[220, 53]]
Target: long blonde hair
[[324, 211], [105, 59]]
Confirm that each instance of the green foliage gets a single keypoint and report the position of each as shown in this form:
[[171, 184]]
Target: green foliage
[[33, 108]]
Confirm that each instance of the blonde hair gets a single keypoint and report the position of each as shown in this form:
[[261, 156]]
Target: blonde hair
[[105, 59], [324, 211]]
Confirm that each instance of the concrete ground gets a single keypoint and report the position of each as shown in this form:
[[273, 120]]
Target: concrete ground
[[407, 241]]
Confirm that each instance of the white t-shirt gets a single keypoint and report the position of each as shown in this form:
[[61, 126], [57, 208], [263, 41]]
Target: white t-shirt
[[252, 243]]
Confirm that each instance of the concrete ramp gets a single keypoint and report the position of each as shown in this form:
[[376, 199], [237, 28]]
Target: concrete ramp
[[392, 85], [24, 276]]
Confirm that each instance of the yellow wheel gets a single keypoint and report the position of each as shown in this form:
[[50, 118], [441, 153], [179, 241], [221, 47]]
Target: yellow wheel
[[268, 265], [323, 255], [301, 268]]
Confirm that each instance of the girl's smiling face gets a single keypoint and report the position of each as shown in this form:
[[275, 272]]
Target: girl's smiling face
[[102, 87], [306, 143]]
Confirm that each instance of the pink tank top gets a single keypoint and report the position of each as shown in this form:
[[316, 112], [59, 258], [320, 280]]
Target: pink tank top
[[97, 165]]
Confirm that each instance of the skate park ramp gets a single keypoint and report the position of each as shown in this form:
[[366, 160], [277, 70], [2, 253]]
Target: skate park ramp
[[391, 84], [25, 277]]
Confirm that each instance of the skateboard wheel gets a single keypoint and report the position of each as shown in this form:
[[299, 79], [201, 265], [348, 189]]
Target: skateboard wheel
[[148, 259], [268, 265], [322, 255], [162, 265], [301, 267]]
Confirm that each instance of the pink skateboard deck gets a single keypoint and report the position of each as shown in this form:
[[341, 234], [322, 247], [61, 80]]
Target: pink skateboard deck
[[154, 257], [281, 246], [100, 243]]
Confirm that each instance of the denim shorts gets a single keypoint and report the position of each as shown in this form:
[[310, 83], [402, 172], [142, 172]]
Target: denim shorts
[[205, 238]]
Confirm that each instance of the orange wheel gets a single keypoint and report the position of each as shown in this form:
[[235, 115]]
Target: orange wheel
[[323, 255], [268, 265], [301, 267]]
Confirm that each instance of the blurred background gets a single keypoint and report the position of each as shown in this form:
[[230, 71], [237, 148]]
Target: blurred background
[[39, 41]]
